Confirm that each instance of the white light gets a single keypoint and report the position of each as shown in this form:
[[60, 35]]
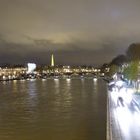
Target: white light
[[4, 77], [115, 76], [119, 83], [95, 70], [56, 79], [102, 74], [9, 76], [95, 79], [31, 67], [68, 79], [111, 83], [126, 94]]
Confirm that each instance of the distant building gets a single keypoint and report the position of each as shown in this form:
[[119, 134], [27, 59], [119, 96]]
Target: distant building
[[12, 73]]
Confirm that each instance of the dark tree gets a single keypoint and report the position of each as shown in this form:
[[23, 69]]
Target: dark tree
[[131, 72], [119, 60], [133, 52], [104, 67]]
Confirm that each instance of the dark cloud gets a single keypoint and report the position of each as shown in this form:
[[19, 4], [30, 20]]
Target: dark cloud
[[39, 51], [76, 31]]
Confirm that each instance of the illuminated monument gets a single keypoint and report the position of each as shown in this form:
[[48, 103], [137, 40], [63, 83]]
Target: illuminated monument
[[31, 67], [52, 61]]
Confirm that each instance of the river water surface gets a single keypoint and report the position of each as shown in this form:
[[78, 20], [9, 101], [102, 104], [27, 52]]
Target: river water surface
[[53, 109]]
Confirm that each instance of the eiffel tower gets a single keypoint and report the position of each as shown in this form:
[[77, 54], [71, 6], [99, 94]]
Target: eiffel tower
[[52, 60]]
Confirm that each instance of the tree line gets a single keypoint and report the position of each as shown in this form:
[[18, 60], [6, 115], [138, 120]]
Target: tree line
[[128, 64]]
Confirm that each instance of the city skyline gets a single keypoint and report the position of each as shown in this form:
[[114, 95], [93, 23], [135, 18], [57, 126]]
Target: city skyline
[[77, 32]]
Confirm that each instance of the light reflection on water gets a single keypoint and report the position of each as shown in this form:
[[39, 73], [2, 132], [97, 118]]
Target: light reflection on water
[[65, 109]]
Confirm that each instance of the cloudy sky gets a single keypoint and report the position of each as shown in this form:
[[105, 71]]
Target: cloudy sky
[[78, 32]]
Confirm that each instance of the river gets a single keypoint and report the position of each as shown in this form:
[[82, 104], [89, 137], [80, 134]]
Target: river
[[53, 109]]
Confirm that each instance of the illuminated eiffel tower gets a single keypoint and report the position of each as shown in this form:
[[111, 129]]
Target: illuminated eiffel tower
[[52, 60]]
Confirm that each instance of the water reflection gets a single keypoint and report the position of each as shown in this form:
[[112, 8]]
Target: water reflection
[[95, 82], [15, 86], [68, 95], [32, 89], [65, 109], [56, 81]]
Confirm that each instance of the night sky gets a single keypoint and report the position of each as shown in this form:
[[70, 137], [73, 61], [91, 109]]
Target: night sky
[[77, 32]]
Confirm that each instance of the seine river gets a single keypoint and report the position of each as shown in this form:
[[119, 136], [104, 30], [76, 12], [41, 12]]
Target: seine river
[[52, 109]]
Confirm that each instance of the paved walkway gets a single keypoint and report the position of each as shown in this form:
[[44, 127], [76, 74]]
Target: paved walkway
[[123, 122], [115, 132], [113, 129]]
